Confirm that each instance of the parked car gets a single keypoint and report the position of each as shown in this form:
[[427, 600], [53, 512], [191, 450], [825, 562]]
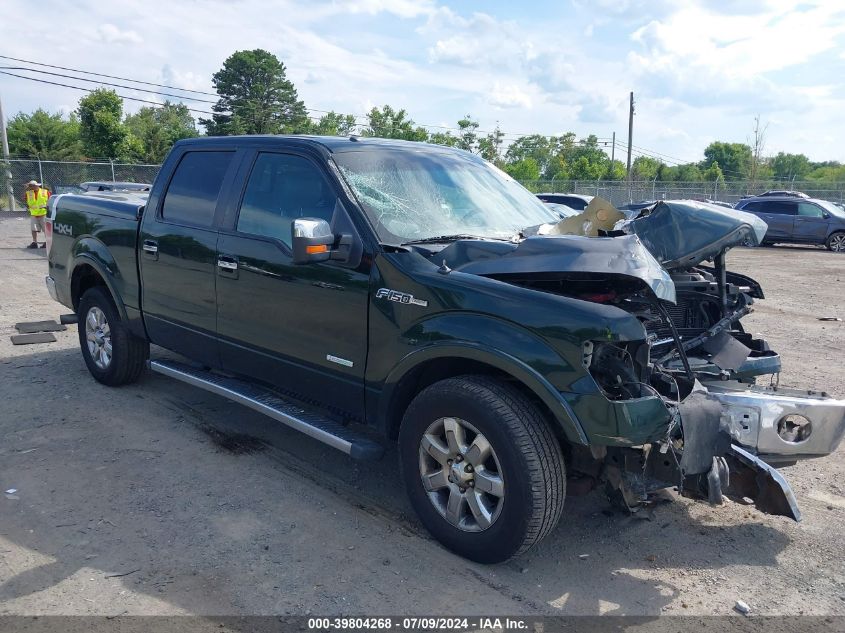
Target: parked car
[[336, 283], [562, 210], [797, 220], [572, 200], [108, 185], [720, 203], [783, 193]]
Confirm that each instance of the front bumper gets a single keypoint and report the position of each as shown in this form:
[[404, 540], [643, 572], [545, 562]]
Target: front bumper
[[780, 424]]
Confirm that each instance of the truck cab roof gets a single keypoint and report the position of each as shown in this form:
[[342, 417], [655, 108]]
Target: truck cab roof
[[328, 144]]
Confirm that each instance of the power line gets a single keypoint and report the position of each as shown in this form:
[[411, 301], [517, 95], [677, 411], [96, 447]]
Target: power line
[[88, 72], [106, 83], [505, 135], [55, 83]]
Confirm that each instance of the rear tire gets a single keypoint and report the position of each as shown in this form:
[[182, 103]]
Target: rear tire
[[113, 355], [836, 242], [513, 497]]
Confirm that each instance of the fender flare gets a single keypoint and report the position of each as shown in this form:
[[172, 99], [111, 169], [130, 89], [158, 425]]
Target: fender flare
[[91, 258], [539, 386]]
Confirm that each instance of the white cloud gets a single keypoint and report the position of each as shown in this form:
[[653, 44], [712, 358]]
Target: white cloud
[[113, 35], [699, 72], [509, 96], [694, 39], [399, 8]]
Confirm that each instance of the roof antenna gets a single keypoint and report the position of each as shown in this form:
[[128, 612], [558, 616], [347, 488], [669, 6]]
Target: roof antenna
[[353, 138], [444, 269]]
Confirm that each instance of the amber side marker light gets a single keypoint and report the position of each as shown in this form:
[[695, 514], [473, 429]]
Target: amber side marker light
[[319, 248]]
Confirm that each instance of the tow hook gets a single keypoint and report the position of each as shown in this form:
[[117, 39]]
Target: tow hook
[[718, 477]]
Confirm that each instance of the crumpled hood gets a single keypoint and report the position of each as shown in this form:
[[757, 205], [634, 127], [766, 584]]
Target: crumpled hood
[[612, 256], [683, 233]]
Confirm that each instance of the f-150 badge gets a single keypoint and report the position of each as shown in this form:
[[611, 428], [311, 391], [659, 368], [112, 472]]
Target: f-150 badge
[[399, 297]]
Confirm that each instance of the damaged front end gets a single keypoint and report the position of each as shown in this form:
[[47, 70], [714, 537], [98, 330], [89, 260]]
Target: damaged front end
[[719, 433], [726, 433]]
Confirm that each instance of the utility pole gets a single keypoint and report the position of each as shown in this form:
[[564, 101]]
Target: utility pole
[[5, 142], [613, 150], [630, 136]]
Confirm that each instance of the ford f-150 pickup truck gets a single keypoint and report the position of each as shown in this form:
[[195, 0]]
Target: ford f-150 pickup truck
[[339, 283]]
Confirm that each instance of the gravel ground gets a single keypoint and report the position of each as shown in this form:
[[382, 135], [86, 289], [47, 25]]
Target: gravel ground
[[158, 498]]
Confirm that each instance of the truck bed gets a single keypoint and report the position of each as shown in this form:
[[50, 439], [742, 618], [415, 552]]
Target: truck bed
[[102, 228]]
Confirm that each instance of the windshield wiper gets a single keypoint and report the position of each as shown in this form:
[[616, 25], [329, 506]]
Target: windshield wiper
[[443, 238], [452, 238]]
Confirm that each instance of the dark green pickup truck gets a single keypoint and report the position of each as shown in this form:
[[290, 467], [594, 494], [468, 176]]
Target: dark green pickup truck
[[341, 283]]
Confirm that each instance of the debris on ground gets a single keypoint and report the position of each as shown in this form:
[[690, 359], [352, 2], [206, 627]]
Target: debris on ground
[[11, 491], [829, 319], [121, 574], [583, 556], [742, 607]]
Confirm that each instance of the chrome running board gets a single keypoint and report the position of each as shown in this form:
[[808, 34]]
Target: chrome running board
[[272, 405]]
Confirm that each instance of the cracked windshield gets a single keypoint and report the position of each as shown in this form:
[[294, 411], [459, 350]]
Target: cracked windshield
[[417, 196]]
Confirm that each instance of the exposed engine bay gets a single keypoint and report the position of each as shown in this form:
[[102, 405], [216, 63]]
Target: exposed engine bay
[[730, 422]]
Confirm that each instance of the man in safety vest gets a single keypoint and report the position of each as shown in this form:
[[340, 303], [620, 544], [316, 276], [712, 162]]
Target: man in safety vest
[[36, 202]]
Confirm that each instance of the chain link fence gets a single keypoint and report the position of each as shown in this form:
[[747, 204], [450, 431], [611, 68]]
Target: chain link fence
[[621, 192], [64, 177], [61, 177]]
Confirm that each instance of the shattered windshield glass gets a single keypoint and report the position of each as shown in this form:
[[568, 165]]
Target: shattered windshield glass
[[415, 195]]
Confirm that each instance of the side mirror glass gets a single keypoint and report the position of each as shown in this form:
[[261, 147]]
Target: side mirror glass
[[311, 240]]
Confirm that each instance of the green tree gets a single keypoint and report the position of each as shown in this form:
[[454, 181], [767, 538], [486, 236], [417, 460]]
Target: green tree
[[714, 174], [588, 161], [689, 172], [101, 127], [790, 166], [256, 97], [524, 169], [468, 137], [615, 170], [390, 123], [541, 149], [830, 171], [334, 124], [443, 138], [157, 129], [645, 168], [43, 135], [490, 147], [734, 159]]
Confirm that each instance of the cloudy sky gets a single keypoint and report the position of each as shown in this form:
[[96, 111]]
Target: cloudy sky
[[700, 70]]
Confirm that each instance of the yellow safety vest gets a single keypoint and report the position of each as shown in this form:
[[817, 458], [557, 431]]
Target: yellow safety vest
[[36, 201]]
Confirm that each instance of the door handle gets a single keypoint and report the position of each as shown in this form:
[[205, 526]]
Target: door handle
[[150, 247], [227, 263]]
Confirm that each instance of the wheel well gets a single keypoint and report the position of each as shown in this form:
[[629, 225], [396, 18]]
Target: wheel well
[[84, 277], [437, 369]]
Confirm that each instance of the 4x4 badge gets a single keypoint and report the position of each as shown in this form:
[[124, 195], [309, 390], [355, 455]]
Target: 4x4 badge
[[399, 297]]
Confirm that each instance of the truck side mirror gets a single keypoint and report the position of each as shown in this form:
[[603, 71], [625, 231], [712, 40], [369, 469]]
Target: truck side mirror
[[312, 240]]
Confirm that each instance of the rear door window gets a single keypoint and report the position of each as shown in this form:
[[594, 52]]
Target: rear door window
[[191, 197], [775, 207], [809, 210]]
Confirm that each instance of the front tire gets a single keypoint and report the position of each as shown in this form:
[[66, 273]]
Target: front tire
[[836, 242], [482, 467], [113, 355]]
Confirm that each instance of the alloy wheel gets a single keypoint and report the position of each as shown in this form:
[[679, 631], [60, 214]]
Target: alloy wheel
[[98, 337], [461, 474]]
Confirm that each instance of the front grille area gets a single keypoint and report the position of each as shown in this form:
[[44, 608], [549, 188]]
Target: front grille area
[[694, 313]]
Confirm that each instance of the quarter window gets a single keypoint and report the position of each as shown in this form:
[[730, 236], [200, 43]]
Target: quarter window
[[282, 188], [192, 195]]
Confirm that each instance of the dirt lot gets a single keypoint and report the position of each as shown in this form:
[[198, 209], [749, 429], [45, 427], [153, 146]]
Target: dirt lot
[[208, 508]]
